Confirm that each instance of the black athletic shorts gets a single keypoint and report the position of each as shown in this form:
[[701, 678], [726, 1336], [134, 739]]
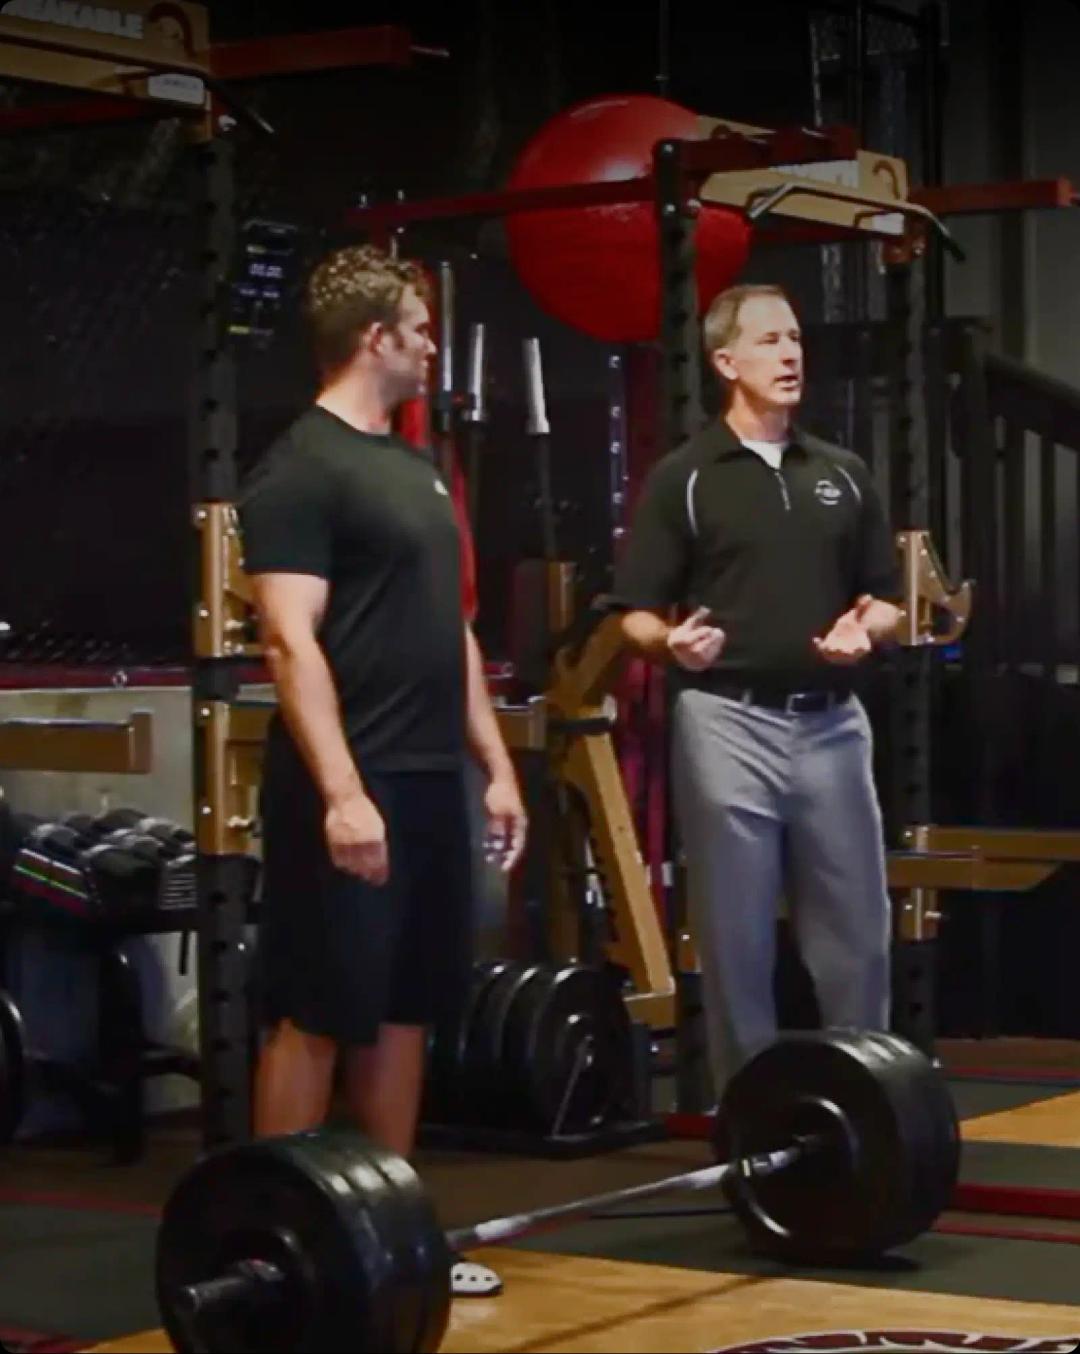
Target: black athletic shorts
[[339, 956]]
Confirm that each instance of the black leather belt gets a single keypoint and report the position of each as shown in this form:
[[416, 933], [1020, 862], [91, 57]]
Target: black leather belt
[[791, 702]]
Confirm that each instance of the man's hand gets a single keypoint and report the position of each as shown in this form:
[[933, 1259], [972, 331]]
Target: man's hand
[[847, 642], [356, 836], [504, 840], [694, 644]]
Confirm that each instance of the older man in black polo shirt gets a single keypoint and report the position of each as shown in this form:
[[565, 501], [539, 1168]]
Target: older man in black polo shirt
[[778, 545]]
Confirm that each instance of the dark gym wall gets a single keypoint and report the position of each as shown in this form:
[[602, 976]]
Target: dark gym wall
[[1014, 112]]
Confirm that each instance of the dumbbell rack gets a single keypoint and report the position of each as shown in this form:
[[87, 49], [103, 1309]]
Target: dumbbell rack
[[69, 891], [59, 884], [111, 1090]]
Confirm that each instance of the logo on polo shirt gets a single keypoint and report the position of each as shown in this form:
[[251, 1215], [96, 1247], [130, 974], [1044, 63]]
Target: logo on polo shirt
[[826, 492], [441, 488]]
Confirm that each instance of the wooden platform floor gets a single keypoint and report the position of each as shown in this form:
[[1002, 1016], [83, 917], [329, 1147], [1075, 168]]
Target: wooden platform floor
[[1043, 1123], [569, 1303]]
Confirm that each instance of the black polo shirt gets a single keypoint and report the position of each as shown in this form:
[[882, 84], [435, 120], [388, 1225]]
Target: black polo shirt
[[375, 520], [776, 555]]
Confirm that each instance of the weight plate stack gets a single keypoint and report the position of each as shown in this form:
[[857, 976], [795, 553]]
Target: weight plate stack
[[488, 1099], [363, 1262], [567, 1050], [885, 1146], [445, 1101]]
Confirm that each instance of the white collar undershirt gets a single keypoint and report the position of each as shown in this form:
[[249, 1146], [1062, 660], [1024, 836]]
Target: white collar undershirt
[[771, 453]]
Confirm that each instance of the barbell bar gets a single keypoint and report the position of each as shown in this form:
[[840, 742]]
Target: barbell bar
[[518, 1225], [844, 1145]]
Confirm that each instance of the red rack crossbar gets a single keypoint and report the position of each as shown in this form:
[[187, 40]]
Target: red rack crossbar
[[254, 59], [725, 152]]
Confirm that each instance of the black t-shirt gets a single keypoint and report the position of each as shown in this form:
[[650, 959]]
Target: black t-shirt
[[374, 518], [776, 555]]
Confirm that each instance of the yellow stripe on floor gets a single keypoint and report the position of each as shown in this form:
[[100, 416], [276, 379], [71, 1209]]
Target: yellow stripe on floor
[[1046, 1123]]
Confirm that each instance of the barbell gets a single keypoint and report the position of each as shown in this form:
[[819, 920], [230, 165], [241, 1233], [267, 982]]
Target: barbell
[[845, 1145]]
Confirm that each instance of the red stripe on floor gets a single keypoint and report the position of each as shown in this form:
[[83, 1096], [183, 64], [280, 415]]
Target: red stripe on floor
[[83, 1203]]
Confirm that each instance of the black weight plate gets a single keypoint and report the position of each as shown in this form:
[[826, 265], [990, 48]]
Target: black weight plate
[[428, 1254], [927, 1153], [932, 1130], [405, 1220], [271, 1200], [586, 1008], [12, 1068], [856, 1198], [515, 1043], [488, 1094], [351, 1161], [569, 1047], [444, 1099]]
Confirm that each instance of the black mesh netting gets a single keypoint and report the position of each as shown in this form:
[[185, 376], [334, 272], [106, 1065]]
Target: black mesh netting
[[99, 287], [99, 258]]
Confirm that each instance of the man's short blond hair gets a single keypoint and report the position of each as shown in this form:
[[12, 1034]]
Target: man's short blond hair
[[721, 324], [352, 289]]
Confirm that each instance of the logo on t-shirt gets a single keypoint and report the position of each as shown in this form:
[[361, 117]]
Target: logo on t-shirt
[[826, 492], [441, 488]]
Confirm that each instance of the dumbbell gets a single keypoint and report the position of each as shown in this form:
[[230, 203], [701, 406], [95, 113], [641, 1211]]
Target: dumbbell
[[177, 840], [56, 841], [122, 875], [141, 844], [82, 823], [126, 875]]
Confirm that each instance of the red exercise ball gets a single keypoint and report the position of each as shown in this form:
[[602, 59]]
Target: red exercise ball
[[597, 268]]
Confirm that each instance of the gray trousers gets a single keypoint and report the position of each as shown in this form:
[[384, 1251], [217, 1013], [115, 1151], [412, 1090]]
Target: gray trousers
[[772, 804]]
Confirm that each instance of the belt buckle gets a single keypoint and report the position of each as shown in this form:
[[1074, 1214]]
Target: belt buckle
[[803, 702]]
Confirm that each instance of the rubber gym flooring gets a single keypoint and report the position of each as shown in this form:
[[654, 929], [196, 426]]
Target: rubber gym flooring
[[76, 1240]]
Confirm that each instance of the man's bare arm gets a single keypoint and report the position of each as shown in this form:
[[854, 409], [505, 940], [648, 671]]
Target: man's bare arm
[[484, 734], [290, 608], [695, 643], [879, 619], [647, 633], [506, 819]]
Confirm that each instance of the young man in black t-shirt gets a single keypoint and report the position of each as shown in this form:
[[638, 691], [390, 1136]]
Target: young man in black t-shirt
[[351, 539], [778, 545]]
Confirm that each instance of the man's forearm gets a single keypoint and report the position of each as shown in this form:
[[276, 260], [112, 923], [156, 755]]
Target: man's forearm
[[482, 724], [309, 706], [879, 619], [648, 634]]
